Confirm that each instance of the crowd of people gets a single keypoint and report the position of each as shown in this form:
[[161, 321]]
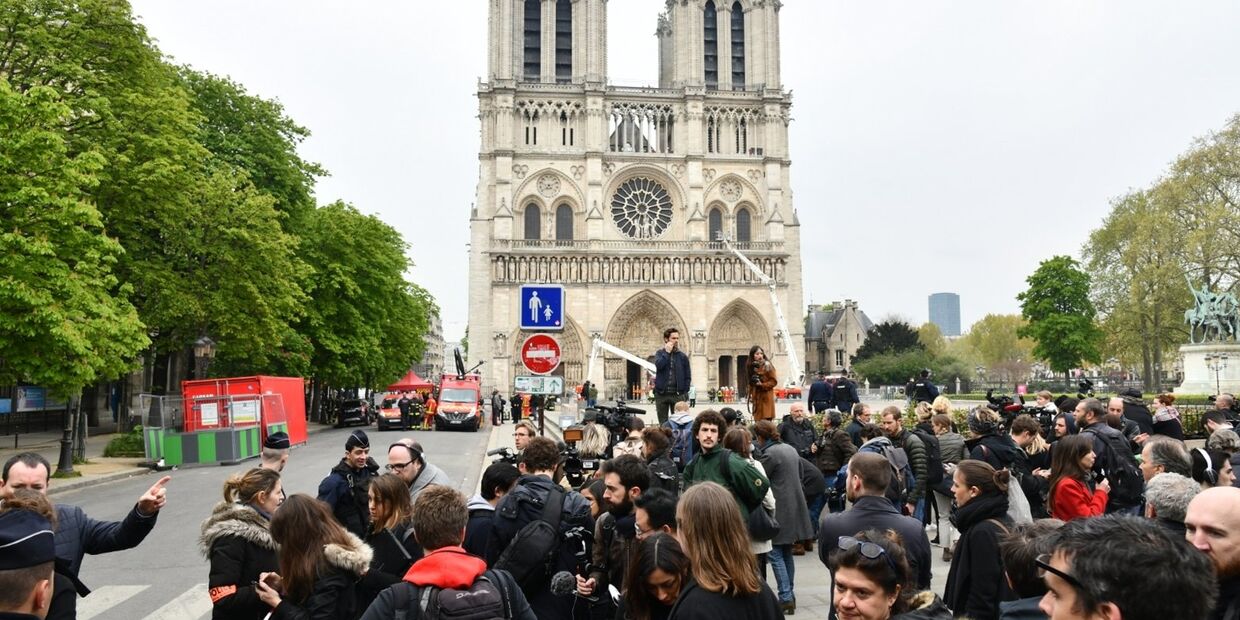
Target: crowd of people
[[1095, 509]]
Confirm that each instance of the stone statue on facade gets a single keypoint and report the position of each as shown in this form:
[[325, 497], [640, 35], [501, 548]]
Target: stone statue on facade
[[1214, 318]]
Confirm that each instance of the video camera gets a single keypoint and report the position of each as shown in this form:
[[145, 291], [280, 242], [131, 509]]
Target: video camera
[[506, 455], [615, 416], [1009, 407], [576, 469], [1086, 388]]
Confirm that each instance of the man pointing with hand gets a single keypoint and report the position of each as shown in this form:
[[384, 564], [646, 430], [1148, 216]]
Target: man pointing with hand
[[78, 534]]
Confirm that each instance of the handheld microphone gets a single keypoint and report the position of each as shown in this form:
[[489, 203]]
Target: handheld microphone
[[563, 583]]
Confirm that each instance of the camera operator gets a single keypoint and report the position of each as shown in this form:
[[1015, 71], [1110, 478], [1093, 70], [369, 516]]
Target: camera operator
[[625, 478], [672, 376], [524, 505], [762, 382]]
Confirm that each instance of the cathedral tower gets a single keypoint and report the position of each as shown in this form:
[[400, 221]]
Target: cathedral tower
[[621, 193]]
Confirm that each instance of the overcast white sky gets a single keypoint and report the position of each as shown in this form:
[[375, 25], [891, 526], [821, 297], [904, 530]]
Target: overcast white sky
[[936, 145]]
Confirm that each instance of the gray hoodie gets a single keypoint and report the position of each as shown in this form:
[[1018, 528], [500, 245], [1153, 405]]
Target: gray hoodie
[[430, 474]]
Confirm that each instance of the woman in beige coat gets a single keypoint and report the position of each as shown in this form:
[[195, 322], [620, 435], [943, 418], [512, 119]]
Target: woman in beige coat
[[762, 391]]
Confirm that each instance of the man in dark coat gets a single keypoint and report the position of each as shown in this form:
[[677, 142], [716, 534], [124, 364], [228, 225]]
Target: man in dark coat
[[924, 390], [346, 488], [1135, 410], [783, 468], [797, 431], [76, 533], [916, 451], [860, 417], [821, 396], [845, 394], [672, 376], [525, 504], [869, 475]]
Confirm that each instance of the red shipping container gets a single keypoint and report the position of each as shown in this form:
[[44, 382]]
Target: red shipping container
[[214, 403]]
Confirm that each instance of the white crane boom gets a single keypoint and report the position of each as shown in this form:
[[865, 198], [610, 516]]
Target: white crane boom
[[617, 351], [795, 374]]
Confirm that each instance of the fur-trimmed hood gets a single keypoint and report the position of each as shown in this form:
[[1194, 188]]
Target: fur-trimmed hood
[[355, 557], [240, 520]]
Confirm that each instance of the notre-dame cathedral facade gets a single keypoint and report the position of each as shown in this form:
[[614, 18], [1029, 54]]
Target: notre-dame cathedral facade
[[620, 194]]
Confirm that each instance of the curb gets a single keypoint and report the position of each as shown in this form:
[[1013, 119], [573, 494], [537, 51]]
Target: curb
[[61, 486]]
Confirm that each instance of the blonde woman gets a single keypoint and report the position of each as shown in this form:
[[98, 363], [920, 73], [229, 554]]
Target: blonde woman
[[924, 413], [941, 405], [594, 440]]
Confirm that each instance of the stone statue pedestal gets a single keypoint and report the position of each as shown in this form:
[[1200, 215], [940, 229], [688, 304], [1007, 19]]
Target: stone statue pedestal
[[1199, 377]]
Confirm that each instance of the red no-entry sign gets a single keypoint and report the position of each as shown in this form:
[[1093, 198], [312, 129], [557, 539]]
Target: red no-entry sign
[[540, 353]]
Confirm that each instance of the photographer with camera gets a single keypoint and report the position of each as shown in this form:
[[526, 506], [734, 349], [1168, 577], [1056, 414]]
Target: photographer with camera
[[762, 382], [672, 376], [625, 478], [534, 524]]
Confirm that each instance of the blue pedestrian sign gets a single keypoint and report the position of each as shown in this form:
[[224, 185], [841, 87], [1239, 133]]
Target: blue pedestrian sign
[[542, 307]]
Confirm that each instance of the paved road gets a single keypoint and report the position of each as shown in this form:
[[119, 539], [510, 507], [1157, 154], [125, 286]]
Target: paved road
[[165, 578]]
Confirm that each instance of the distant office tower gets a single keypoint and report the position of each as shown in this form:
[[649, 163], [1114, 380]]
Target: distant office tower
[[945, 312]]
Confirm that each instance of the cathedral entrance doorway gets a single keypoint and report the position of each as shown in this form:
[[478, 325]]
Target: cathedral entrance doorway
[[736, 329], [637, 327]]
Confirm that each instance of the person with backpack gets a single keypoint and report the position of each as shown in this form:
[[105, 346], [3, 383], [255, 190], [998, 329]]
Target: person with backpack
[[1113, 458], [915, 448], [448, 582], [656, 444], [720, 465], [975, 581], [901, 482], [391, 535], [867, 478], [497, 481], [530, 535], [680, 424]]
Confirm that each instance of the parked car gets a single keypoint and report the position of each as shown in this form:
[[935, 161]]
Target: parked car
[[354, 411]]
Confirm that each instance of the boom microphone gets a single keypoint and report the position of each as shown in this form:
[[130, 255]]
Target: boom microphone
[[563, 583]]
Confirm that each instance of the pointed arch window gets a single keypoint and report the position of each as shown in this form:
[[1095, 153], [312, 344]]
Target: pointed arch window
[[533, 41], [533, 222], [563, 41], [738, 46], [714, 225], [710, 39], [743, 226], [563, 223]]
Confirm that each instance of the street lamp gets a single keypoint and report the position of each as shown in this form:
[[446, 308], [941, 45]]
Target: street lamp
[[1216, 362], [204, 352]]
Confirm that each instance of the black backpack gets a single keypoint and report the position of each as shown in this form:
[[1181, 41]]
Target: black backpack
[[485, 599], [934, 458], [1120, 469], [532, 553]]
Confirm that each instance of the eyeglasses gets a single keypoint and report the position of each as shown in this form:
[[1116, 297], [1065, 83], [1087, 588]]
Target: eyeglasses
[[640, 531], [867, 549], [1044, 566], [398, 466]]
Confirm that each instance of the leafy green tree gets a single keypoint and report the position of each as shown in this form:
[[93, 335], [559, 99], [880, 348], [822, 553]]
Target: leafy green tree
[[890, 336], [1060, 315], [893, 368], [996, 338], [256, 136], [931, 339], [65, 321]]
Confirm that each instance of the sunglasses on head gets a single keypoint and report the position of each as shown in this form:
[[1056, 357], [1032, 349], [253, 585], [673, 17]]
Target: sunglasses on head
[[1043, 563], [867, 549]]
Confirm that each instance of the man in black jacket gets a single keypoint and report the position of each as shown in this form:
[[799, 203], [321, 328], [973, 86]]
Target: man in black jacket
[[797, 431], [672, 376], [821, 396], [76, 533], [625, 479], [346, 488], [860, 417], [497, 481], [845, 393], [869, 475], [525, 504]]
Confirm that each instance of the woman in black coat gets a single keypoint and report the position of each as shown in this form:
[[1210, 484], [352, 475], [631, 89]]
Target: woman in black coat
[[975, 582], [391, 536], [237, 540]]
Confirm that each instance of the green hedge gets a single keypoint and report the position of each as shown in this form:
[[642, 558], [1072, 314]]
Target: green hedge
[[128, 445]]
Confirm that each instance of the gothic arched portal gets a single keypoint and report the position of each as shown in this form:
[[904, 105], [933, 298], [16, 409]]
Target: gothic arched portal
[[637, 327], [737, 327]]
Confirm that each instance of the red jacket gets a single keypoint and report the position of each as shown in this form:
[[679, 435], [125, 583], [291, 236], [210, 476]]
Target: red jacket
[[446, 567], [1074, 500]]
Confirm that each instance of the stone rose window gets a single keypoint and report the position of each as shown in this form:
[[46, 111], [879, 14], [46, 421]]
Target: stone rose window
[[641, 208]]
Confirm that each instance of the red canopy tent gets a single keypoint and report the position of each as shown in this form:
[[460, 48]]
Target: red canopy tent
[[409, 383]]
